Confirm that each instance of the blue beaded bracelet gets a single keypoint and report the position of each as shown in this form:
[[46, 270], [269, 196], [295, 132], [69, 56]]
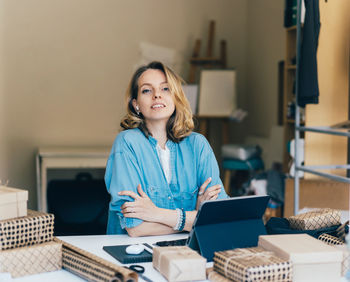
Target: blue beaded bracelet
[[183, 220]]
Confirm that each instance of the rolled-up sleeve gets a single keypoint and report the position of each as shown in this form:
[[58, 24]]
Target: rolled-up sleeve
[[208, 167], [122, 173]]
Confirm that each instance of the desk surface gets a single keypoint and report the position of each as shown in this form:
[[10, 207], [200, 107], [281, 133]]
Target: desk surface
[[94, 245]]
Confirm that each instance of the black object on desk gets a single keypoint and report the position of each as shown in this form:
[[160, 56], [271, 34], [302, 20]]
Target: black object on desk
[[228, 224], [171, 243], [140, 270], [118, 252]]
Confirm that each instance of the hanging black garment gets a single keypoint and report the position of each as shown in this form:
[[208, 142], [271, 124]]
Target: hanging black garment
[[308, 91]]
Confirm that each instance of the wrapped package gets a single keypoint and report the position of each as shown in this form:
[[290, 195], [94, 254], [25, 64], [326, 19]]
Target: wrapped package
[[252, 264], [312, 259], [31, 260], [91, 267], [340, 245], [179, 263], [215, 276], [13, 202], [320, 218], [330, 240], [345, 267], [35, 228]]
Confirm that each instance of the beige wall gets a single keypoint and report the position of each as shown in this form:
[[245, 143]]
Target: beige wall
[[3, 165], [265, 48], [64, 67]]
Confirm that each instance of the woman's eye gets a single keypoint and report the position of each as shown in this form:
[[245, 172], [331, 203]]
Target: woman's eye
[[146, 91], [166, 89]]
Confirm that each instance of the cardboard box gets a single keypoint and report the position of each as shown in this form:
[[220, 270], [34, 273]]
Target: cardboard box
[[31, 260], [35, 228], [252, 264], [13, 202], [316, 194], [179, 263], [339, 244], [214, 276], [312, 259], [320, 218], [345, 267]]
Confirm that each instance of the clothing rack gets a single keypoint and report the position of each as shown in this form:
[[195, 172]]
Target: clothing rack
[[319, 129]]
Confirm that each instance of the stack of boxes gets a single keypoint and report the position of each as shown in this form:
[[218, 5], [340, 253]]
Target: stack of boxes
[[26, 237], [287, 257]]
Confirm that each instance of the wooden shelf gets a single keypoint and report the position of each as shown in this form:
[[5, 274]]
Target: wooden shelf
[[288, 96], [292, 121], [292, 28]]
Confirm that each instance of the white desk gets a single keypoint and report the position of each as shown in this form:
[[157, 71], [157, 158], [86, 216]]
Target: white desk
[[94, 244], [65, 158]]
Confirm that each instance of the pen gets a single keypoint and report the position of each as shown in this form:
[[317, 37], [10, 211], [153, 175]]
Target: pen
[[148, 247]]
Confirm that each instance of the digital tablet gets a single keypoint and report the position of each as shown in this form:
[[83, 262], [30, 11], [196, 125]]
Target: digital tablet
[[228, 224]]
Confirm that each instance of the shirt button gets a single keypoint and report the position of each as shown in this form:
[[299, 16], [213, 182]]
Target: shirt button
[[169, 197]]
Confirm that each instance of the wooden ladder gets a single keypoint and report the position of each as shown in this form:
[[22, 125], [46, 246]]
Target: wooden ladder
[[209, 61]]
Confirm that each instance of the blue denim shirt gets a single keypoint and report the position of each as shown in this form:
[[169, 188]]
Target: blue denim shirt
[[134, 160]]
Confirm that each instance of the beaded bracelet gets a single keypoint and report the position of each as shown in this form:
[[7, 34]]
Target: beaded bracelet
[[179, 219], [183, 221]]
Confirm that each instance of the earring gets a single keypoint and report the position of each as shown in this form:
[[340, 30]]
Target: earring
[[137, 110]]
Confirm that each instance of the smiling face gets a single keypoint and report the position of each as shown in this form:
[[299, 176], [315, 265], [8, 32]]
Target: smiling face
[[154, 99]]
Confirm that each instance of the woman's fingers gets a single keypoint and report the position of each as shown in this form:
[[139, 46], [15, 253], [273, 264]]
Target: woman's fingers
[[141, 192], [128, 209], [140, 207], [129, 193], [212, 192], [133, 214], [203, 186], [213, 188]]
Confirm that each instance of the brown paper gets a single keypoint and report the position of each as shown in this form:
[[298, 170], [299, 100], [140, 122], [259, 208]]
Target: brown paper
[[252, 264], [330, 240], [214, 276], [35, 228], [31, 259], [340, 245], [320, 218], [179, 263], [312, 259], [91, 267], [345, 266]]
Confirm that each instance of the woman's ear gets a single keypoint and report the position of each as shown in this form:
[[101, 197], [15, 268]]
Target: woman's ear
[[136, 107]]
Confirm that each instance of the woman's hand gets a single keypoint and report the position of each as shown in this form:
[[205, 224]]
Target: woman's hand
[[207, 194], [142, 208]]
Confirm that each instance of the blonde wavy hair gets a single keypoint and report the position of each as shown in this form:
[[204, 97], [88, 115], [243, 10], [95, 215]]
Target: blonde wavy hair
[[180, 124]]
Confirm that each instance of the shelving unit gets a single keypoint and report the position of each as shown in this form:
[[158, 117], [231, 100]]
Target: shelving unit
[[300, 129], [289, 101]]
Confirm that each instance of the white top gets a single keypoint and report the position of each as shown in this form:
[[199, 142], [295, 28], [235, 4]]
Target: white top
[[164, 157]]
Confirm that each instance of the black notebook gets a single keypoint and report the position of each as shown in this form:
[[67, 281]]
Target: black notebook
[[118, 252]]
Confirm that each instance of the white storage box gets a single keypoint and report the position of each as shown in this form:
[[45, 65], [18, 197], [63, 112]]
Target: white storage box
[[312, 259], [13, 202]]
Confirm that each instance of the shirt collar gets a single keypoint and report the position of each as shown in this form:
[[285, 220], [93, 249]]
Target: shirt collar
[[170, 144]]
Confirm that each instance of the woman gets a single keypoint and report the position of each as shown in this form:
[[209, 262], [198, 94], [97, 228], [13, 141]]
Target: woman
[[159, 171]]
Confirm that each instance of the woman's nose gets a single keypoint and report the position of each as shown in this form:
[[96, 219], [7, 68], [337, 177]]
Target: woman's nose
[[157, 94]]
